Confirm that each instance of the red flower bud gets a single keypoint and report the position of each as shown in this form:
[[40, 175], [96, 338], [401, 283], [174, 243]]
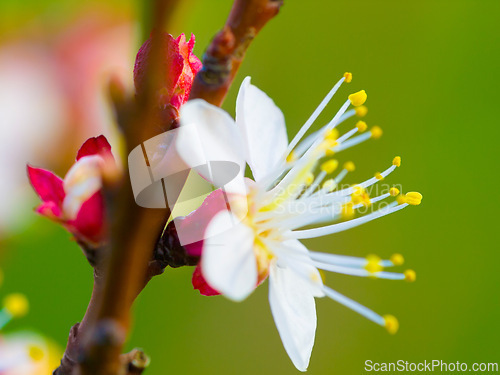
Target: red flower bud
[[76, 202], [177, 69]]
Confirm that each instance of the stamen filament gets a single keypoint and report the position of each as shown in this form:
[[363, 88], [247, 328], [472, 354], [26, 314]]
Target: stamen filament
[[313, 117], [352, 142], [373, 200], [347, 135], [317, 181], [365, 184], [355, 306], [335, 228], [359, 272], [345, 260]]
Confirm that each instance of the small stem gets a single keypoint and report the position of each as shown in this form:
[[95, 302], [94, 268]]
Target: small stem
[[77, 332], [227, 50], [134, 230]]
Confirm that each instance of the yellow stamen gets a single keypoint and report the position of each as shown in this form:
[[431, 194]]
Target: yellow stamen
[[332, 134], [358, 189], [329, 185], [360, 195], [329, 152], [309, 178], [297, 182], [358, 98], [263, 257], [373, 264], [328, 144], [391, 324], [291, 157], [376, 132], [16, 304], [349, 166], [410, 276], [378, 176], [361, 111], [393, 191], [397, 161], [361, 125], [329, 166], [401, 199], [347, 210], [413, 198], [397, 259], [348, 77]]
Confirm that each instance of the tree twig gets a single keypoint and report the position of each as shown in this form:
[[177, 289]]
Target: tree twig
[[227, 50], [122, 269]]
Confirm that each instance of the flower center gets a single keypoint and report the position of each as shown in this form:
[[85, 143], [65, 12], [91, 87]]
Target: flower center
[[263, 255]]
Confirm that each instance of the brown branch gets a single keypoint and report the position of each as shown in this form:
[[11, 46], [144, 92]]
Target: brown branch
[[134, 230], [227, 50]]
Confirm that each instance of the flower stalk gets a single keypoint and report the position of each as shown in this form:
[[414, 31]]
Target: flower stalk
[[227, 50]]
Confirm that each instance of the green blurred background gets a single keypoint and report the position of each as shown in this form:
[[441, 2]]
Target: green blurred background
[[430, 69]]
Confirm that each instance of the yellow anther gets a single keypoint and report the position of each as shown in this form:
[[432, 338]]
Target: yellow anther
[[393, 191], [328, 144], [329, 185], [347, 210], [358, 98], [358, 189], [348, 77], [332, 134], [291, 157], [36, 353], [309, 178], [329, 152], [361, 111], [376, 132], [359, 195], [16, 304], [379, 176], [349, 166], [373, 264], [397, 161], [410, 276], [355, 199], [397, 259], [401, 199], [391, 324], [329, 166], [361, 125], [413, 198]]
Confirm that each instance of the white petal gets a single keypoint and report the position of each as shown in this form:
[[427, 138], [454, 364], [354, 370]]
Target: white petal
[[294, 255], [262, 125], [81, 182], [228, 260], [294, 313], [209, 135]]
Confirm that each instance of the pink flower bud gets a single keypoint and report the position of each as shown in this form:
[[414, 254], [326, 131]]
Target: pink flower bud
[[178, 67], [76, 202]]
